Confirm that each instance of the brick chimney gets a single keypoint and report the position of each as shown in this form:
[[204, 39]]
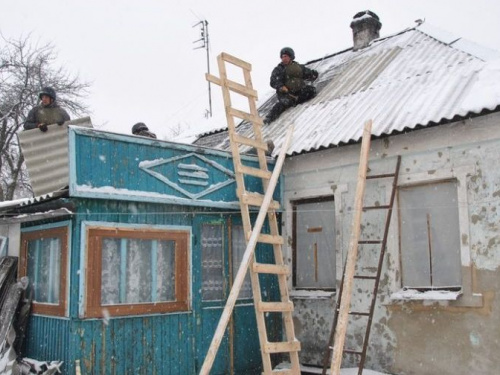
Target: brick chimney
[[365, 27]]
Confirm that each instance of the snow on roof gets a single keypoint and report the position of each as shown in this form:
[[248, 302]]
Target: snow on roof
[[418, 77], [8, 205]]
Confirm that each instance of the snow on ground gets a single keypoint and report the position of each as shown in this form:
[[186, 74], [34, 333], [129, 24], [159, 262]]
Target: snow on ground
[[354, 371], [317, 370], [344, 371]]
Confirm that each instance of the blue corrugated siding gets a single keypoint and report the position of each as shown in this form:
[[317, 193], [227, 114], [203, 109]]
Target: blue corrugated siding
[[247, 358], [48, 339], [118, 161], [160, 344]]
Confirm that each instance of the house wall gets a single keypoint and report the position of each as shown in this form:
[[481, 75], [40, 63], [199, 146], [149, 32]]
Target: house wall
[[426, 336], [142, 169], [11, 231], [136, 181], [173, 343]]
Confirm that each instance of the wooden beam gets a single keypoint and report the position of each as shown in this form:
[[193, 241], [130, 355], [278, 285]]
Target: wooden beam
[[233, 86], [246, 116], [236, 61], [282, 347], [352, 254]]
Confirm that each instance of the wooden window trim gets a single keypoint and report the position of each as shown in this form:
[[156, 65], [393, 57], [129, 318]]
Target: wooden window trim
[[93, 307], [62, 234]]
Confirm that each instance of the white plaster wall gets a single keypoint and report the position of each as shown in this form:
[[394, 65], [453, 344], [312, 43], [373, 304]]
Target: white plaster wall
[[467, 150]]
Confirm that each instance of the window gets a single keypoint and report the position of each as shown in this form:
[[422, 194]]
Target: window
[[314, 243], [43, 259], [212, 247], [212, 265], [136, 271], [430, 236], [238, 247]]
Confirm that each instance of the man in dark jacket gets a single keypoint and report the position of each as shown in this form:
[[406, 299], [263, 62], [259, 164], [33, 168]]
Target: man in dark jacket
[[141, 129], [288, 78], [47, 113]]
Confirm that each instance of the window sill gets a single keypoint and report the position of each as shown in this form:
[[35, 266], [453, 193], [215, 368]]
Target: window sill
[[433, 295], [311, 294]]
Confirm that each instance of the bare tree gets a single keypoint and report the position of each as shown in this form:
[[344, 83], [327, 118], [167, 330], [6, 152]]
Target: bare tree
[[174, 131], [26, 67]]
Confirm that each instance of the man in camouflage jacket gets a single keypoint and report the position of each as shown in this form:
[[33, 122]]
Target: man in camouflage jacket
[[47, 113], [288, 78]]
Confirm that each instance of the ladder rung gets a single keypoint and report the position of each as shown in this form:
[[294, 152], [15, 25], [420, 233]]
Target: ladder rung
[[384, 207], [355, 312], [233, 86], [365, 277], [385, 175], [245, 116], [281, 347], [359, 313], [256, 199], [235, 61], [270, 239], [365, 242], [351, 351], [254, 171], [275, 306], [283, 372], [250, 142], [276, 269]]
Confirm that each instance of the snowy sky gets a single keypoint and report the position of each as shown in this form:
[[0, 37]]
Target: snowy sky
[[139, 55]]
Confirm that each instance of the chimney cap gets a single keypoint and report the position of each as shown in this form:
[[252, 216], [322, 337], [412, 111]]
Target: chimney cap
[[368, 17], [366, 12]]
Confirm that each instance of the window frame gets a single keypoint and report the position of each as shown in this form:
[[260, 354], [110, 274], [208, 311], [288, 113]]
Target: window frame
[[93, 307], [468, 296], [62, 232], [451, 288], [294, 204]]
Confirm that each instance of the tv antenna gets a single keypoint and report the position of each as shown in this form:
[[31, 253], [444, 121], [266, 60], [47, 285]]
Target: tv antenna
[[203, 42]]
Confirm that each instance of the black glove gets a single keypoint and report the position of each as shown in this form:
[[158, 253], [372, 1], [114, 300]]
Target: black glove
[[43, 127], [315, 75]]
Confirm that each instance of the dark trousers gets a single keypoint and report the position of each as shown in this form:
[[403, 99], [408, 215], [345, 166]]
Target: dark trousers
[[286, 101]]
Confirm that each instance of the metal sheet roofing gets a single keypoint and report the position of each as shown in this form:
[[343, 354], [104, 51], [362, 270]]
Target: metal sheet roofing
[[50, 172], [415, 78]]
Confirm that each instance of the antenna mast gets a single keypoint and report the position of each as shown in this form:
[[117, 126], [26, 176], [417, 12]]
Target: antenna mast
[[204, 43]]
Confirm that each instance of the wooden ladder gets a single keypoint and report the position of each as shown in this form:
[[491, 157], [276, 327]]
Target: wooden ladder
[[253, 234], [343, 311]]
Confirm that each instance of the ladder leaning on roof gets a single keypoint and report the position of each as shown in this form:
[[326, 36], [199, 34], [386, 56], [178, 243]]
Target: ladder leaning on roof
[[253, 235], [343, 306]]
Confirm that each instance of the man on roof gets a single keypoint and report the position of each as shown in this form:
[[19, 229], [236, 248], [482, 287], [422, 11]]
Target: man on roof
[[289, 79], [47, 112]]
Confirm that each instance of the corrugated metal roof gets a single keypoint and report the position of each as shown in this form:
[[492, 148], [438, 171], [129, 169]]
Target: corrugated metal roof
[[9, 205], [50, 172], [418, 77]]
